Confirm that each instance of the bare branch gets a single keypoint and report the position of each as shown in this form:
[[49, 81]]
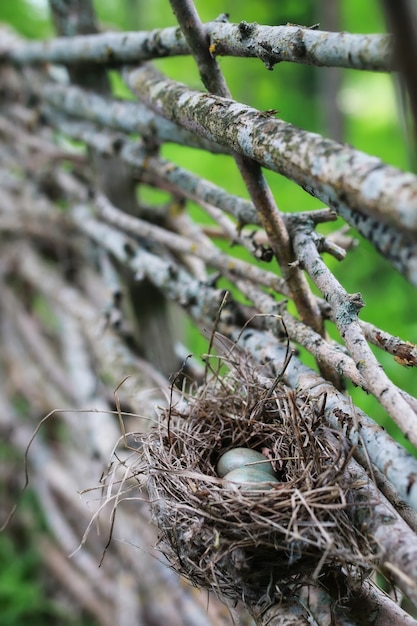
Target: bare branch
[[339, 175], [271, 44], [324, 352], [129, 117], [212, 255], [251, 173], [405, 352], [346, 308], [161, 173]]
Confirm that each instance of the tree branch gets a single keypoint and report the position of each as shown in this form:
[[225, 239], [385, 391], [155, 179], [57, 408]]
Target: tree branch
[[251, 173], [337, 174], [123, 115], [211, 255], [271, 44], [346, 308], [158, 171]]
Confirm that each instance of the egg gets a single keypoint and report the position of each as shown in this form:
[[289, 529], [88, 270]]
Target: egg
[[241, 457], [254, 478]]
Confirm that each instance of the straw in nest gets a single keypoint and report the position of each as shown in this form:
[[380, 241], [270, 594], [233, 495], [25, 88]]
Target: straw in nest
[[244, 543]]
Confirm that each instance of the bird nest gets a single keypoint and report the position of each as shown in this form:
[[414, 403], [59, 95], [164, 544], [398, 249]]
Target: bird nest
[[245, 541]]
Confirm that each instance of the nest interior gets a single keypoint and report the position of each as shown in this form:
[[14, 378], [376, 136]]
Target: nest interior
[[243, 543]]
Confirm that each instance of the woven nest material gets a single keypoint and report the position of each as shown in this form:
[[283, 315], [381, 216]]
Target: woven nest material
[[246, 543]]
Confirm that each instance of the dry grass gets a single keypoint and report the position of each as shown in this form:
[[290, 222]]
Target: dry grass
[[246, 544]]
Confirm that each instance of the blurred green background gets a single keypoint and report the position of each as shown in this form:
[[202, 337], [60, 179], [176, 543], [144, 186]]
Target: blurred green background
[[359, 108]]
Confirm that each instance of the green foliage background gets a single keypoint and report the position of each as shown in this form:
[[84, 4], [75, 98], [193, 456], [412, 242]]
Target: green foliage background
[[371, 121]]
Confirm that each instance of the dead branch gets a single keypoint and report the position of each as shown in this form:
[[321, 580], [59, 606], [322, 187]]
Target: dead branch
[[322, 167], [271, 44]]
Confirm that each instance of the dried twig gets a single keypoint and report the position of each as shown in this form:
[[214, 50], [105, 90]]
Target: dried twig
[[271, 44], [129, 117], [319, 165], [346, 308], [250, 170]]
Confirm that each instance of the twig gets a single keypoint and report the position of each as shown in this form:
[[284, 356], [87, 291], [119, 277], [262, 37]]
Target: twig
[[46, 151], [114, 359], [42, 351], [161, 173], [212, 255], [277, 145], [271, 44], [346, 308], [404, 352], [199, 300], [251, 172], [31, 381], [36, 216], [331, 355], [394, 245], [78, 585], [129, 117]]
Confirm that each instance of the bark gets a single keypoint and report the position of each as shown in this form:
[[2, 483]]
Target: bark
[[271, 44], [162, 173], [122, 115], [260, 193], [346, 308], [338, 175]]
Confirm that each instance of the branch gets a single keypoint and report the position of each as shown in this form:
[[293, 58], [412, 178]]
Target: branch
[[164, 174], [202, 302], [394, 244], [159, 172], [150, 322], [129, 117], [397, 246], [155, 170], [271, 44], [260, 193], [330, 354], [398, 541], [404, 352], [212, 256], [337, 174], [366, 606], [346, 308]]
